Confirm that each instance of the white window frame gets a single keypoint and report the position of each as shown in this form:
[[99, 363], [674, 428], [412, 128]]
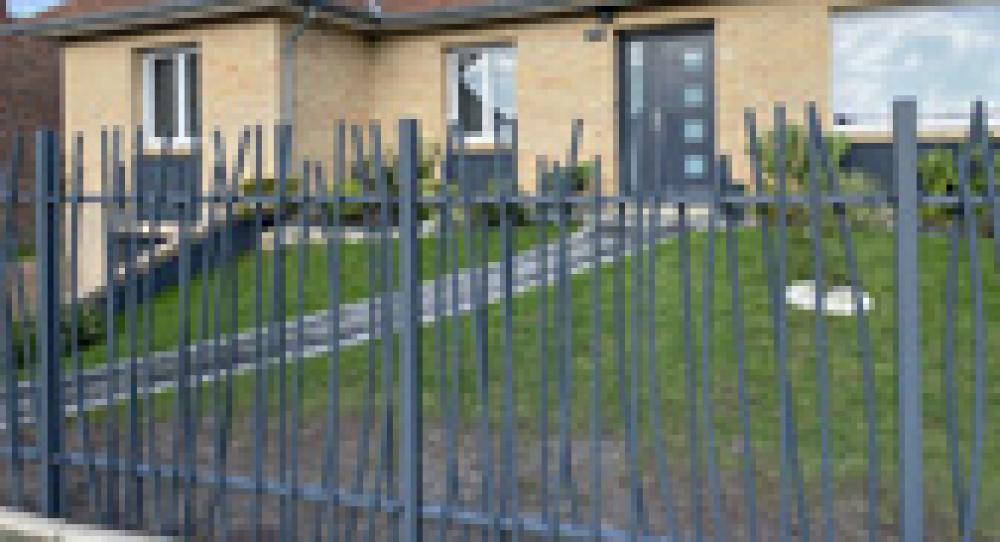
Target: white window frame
[[183, 128], [486, 137]]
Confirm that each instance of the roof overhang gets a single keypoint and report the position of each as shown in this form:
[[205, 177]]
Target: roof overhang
[[180, 12]]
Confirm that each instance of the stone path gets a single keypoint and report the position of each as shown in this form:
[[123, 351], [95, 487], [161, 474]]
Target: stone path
[[158, 372]]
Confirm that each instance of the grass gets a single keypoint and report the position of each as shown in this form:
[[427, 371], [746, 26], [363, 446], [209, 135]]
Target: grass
[[358, 261], [667, 366]]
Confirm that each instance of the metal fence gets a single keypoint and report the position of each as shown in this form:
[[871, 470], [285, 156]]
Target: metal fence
[[371, 348]]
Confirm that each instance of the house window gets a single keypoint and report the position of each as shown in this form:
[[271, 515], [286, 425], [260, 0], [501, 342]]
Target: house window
[[171, 97], [481, 85], [944, 57]]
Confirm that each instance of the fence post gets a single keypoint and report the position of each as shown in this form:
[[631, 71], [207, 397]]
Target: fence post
[[410, 355], [904, 128], [47, 294]]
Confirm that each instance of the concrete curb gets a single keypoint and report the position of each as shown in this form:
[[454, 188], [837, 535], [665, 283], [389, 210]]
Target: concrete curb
[[16, 526]]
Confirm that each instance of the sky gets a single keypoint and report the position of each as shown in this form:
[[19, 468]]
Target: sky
[[945, 58], [30, 7]]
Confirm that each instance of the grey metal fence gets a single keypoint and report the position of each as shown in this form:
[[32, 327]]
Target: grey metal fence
[[393, 353]]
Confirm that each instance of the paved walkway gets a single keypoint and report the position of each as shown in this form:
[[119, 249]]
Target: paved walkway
[[158, 372]]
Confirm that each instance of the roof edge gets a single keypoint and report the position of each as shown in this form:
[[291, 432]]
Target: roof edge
[[180, 11], [173, 12]]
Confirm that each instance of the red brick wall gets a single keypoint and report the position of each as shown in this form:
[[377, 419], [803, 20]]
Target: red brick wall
[[29, 100]]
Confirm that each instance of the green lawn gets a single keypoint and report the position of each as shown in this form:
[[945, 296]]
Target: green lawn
[[357, 260], [846, 423]]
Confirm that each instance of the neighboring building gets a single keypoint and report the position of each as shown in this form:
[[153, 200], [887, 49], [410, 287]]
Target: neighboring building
[[187, 68], [29, 100]]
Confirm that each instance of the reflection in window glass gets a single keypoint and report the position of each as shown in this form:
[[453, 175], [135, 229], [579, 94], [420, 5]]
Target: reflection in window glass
[[481, 86], [945, 56], [694, 96], [694, 130], [694, 166], [635, 77], [693, 59]]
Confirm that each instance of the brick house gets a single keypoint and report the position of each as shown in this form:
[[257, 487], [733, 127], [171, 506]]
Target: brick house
[[189, 67], [29, 99]]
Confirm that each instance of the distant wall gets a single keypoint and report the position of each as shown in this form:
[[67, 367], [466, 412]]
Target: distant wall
[[29, 100]]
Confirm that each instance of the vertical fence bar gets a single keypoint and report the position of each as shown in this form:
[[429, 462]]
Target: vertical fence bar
[[628, 413], [215, 277], [302, 253], [331, 222], [739, 352], [635, 356], [815, 150], [979, 332], [542, 254], [440, 337], [690, 376], [948, 380], [384, 471], [707, 329], [595, 358], [410, 459], [777, 302], [46, 233], [283, 150], [457, 336], [110, 191], [260, 371], [510, 493], [133, 506], [652, 355], [449, 236], [904, 127], [361, 466]]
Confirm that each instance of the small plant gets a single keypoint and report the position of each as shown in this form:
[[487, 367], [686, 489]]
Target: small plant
[[578, 181], [269, 188], [798, 170], [90, 331], [938, 176]]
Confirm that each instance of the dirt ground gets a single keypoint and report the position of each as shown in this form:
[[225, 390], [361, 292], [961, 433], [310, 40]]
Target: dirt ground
[[164, 507]]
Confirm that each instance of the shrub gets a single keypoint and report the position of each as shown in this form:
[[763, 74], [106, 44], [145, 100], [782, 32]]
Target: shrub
[[268, 189], [797, 157], [938, 175], [91, 331], [798, 170]]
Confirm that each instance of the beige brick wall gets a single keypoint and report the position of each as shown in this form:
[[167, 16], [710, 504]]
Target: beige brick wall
[[331, 84], [763, 56], [101, 88]]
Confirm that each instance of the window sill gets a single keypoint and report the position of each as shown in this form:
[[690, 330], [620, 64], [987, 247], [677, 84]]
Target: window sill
[[179, 146]]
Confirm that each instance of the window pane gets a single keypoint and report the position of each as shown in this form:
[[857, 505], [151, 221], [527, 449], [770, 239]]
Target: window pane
[[193, 95], [164, 97], [503, 90], [946, 57], [694, 130], [694, 96], [471, 86], [635, 78], [693, 60], [694, 166]]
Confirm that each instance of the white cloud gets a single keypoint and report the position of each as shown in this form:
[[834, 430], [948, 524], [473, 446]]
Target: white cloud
[[946, 57]]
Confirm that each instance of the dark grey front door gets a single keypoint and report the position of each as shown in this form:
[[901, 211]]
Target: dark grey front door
[[667, 116]]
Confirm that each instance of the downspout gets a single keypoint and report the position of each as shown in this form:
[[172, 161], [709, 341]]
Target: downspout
[[288, 64]]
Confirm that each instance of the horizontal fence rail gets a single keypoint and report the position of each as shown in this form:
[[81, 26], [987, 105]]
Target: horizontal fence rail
[[384, 344]]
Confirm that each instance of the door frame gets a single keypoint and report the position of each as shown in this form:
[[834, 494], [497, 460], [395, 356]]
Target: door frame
[[622, 88]]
